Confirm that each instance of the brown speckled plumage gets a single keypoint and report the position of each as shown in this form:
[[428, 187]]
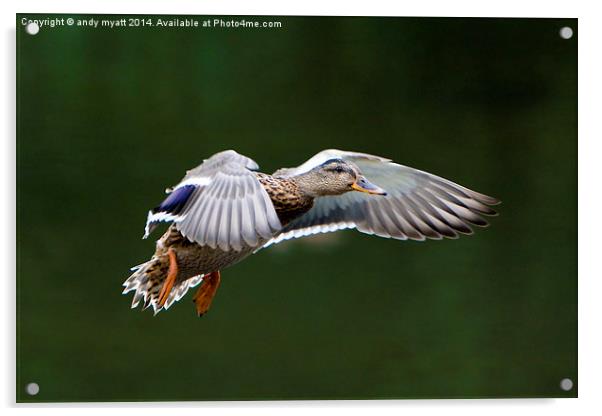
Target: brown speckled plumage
[[289, 201]]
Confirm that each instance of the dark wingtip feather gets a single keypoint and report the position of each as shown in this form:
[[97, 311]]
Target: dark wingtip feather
[[493, 201], [490, 212], [464, 229], [481, 223], [493, 213], [486, 199]]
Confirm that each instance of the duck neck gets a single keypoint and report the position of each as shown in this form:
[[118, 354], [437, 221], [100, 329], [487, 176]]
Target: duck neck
[[287, 195], [309, 184]]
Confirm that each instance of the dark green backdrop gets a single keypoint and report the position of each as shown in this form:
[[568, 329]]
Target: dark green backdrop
[[108, 118]]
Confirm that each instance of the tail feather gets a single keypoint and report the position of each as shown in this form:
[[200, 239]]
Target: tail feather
[[180, 290], [147, 281]]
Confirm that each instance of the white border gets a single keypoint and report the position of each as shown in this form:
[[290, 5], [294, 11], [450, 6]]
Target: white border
[[466, 8], [590, 137]]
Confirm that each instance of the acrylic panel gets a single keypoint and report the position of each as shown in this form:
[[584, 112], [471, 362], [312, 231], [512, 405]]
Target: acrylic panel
[[112, 110]]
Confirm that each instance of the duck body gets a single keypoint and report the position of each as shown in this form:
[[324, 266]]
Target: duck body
[[224, 210]]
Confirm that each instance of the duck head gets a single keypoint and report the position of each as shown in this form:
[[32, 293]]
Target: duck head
[[336, 177]]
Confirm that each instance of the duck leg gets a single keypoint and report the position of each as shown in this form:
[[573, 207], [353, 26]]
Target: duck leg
[[204, 295], [170, 279]]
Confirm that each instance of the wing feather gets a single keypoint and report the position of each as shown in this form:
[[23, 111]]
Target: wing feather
[[228, 208], [235, 223], [418, 205]]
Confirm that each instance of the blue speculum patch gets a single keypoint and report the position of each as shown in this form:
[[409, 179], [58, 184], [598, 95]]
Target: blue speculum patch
[[176, 200]]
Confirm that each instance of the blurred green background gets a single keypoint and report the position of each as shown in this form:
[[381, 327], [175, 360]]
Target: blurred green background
[[109, 118]]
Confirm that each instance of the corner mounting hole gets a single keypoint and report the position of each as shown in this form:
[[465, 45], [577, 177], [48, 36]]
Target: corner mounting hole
[[32, 389], [566, 384], [32, 28], [566, 32]]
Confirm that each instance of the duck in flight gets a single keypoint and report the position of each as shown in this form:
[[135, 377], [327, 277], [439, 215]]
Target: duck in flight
[[224, 210]]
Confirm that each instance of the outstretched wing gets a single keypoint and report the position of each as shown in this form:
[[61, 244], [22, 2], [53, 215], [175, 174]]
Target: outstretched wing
[[221, 204], [417, 206]]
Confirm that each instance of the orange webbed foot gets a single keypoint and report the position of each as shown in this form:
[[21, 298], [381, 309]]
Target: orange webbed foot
[[204, 295]]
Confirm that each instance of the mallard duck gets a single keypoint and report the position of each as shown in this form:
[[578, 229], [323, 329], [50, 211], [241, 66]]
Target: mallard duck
[[224, 210]]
